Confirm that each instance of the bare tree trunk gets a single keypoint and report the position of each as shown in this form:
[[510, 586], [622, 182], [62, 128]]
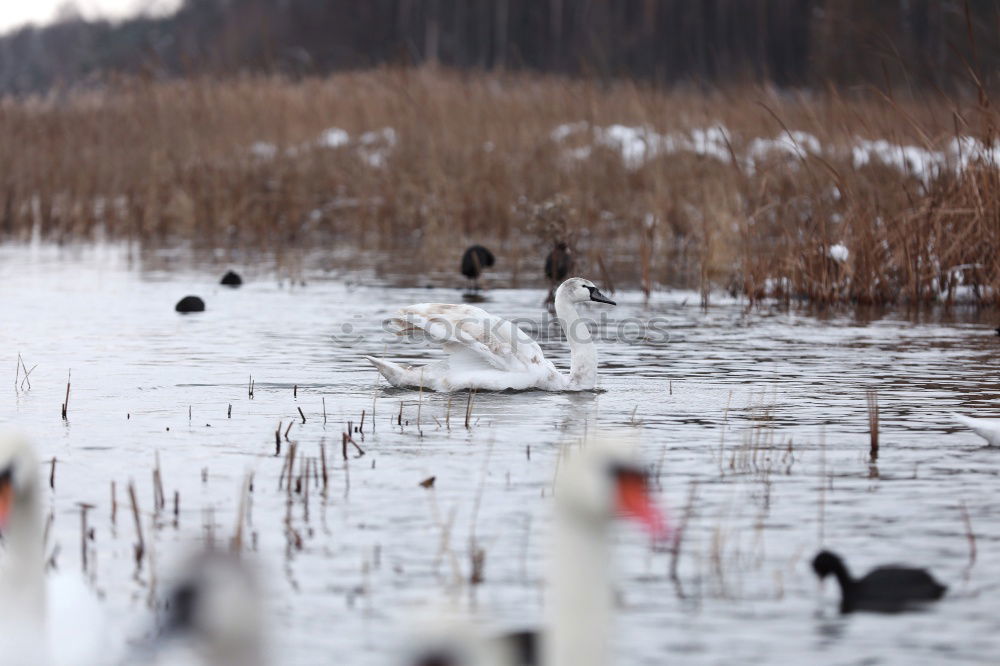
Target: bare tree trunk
[[555, 26], [500, 32], [431, 34]]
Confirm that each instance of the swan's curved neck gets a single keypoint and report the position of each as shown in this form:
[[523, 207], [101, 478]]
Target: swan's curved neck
[[22, 583], [583, 355], [580, 604]]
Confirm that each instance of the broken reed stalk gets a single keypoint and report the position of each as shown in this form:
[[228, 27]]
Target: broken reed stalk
[[140, 546], [675, 548], [970, 536], [52, 474], [229, 412], [871, 397], [361, 428], [159, 500], [250, 388], [236, 544], [277, 440], [295, 391], [420, 398], [177, 507], [84, 507], [305, 488], [27, 373], [324, 413], [348, 438], [322, 458], [288, 429], [291, 468], [468, 407], [65, 405], [821, 523], [302, 415]]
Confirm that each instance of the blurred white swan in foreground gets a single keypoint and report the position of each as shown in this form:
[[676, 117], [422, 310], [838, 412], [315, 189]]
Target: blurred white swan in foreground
[[54, 619], [988, 429], [603, 480], [214, 616], [487, 352]]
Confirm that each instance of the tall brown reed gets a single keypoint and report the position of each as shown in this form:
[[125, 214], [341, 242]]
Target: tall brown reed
[[236, 164]]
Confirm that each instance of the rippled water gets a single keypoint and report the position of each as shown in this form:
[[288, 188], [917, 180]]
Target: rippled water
[[760, 417]]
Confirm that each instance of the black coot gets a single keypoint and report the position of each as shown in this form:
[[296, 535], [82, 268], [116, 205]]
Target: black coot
[[190, 304], [888, 589], [231, 279], [475, 259], [559, 263]]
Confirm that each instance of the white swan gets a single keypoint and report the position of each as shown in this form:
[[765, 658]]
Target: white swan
[[604, 480], [214, 616], [988, 429], [43, 620], [487, 352]]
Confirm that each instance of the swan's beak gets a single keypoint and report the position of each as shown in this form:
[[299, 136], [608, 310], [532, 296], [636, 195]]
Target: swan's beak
[[6, 500], [596, 295], [634, 501]]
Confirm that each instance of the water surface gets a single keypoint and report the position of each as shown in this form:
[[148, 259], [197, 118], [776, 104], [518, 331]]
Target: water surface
[[759, 416]]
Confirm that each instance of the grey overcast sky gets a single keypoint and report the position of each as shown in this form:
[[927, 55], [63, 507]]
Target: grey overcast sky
[[15, 13]]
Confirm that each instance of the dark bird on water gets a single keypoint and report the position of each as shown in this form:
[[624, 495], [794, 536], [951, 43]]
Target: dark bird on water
[[559, 262], [887, 589], [231, 279], [190, 304], [475, 259], [558, 265]]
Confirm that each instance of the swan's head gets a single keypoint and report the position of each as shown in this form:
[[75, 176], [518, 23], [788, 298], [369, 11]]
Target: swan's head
[[578, 290], [18, 475], [605, 479]]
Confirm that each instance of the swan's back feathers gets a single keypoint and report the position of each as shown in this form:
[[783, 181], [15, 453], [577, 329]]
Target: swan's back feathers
[[461, 329]]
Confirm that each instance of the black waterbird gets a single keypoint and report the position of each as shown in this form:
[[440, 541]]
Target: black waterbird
[[474, 260], [558, 265], [886, 589], [190, 304], [231, 279]]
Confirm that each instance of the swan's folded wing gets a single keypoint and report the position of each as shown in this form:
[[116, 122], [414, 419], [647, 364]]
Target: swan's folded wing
[[465, 329]]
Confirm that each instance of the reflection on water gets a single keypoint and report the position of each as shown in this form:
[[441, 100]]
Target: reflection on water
[[759, 416]]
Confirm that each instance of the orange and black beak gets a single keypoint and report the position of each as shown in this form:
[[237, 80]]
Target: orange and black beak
[[6, 497], [635, 501]]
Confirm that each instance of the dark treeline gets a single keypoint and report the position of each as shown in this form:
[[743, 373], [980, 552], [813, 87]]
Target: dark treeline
[[918, 43]]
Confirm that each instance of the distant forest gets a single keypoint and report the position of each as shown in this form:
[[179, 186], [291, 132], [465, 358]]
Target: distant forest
[[914, 44]]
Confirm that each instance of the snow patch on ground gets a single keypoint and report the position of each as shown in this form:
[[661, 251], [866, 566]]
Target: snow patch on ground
[[334, 137], [639, 144], [264, 150], [839, 252]]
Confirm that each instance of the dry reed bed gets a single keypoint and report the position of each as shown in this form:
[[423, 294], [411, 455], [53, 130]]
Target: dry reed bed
[[236, 164]]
